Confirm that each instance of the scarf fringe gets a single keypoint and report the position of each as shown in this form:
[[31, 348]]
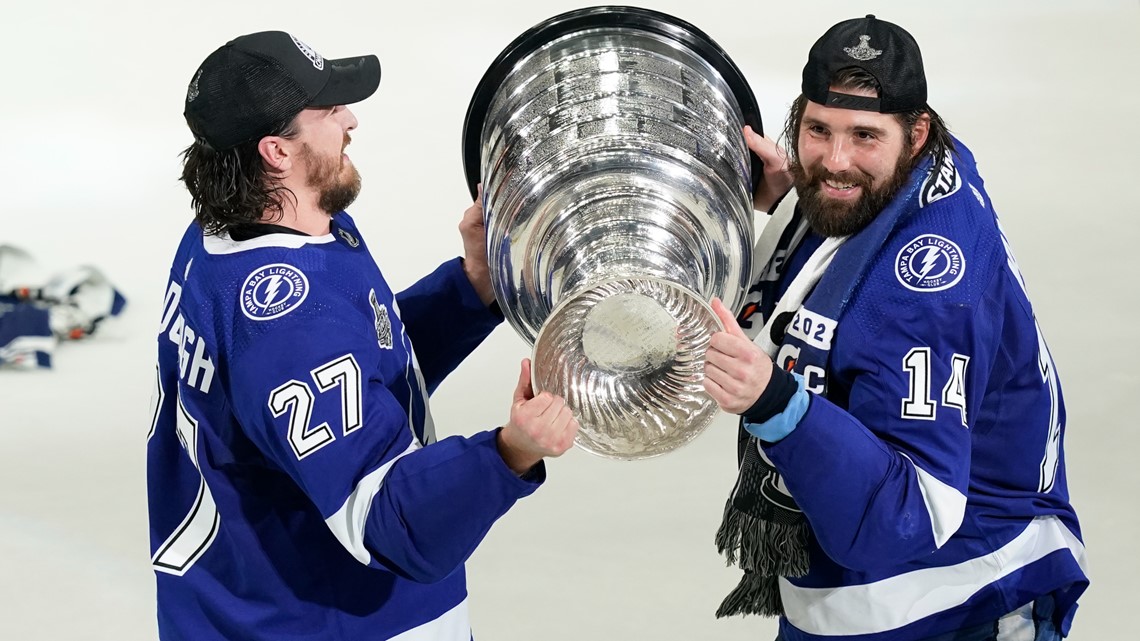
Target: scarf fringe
[[755, 594], [763, 547], [729, 532]]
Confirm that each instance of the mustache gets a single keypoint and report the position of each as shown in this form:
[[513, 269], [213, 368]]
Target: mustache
[[347, 140], [817, 174]]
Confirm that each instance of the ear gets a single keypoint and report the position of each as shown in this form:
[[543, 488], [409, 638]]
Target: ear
[[920, 133], [276, 153]]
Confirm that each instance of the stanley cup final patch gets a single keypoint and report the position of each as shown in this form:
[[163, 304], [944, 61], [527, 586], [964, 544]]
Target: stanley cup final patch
[[271, 291], [930, 263], [383, 322], [863, 51]]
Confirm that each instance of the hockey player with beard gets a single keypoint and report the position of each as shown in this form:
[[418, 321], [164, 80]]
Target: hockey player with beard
[[901, 456], [296, 487]]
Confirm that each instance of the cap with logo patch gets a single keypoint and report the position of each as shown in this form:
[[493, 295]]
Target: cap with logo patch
[[253, 82], [880, 48]]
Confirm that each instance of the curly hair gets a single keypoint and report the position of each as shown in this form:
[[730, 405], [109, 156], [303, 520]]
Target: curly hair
[[938, 141], [233, 186]]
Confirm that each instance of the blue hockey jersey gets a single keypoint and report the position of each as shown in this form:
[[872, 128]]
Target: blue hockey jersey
[[295, 488], [929, 463]]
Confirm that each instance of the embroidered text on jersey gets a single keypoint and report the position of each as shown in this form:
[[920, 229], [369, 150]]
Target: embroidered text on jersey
[[930, 263], [944, 180], [272, 291]]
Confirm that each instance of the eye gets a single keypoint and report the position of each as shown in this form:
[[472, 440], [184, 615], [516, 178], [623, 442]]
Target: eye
[[865, 135], [817, 130]]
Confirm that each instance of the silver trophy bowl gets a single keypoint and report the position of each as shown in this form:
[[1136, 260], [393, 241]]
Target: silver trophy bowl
[[617, 196]]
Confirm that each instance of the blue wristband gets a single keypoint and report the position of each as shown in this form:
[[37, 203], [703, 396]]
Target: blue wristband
[[782, 424]]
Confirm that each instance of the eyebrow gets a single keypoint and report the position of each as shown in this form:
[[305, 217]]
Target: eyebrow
[[877, 131]]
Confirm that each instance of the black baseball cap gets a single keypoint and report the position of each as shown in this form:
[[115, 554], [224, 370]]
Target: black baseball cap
[[255, 81], [882, 49]]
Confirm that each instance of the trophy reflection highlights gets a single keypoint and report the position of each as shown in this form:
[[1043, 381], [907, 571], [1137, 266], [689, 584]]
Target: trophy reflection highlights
[[617, 195]]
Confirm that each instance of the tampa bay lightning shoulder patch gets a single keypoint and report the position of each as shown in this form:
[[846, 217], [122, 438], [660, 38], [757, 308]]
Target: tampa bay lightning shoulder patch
[[271, 291], [930, 263]]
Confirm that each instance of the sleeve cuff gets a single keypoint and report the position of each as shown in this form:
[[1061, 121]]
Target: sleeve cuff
[[526, 482], [469, 296], [779, 426]]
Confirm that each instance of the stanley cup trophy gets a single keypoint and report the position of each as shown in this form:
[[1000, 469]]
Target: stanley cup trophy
[[617, 196]]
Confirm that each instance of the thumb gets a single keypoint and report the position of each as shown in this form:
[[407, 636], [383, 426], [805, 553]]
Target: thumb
[[523, 391], [727, 319], [773, 156]]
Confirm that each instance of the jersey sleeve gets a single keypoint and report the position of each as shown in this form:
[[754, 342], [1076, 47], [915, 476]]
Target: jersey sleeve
[[445, 320], [885, 480], [311, 395]]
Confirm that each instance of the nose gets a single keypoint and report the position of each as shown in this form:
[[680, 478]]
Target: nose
[[838, 157], [349, 120]]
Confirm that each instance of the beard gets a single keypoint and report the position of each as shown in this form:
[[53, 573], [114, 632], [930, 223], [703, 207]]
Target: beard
[[828, 217], [337, 183]]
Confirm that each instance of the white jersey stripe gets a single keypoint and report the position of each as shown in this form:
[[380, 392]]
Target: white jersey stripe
[[452, 625], [197, 531], [945, 505], [348, 522], [916, 595], [1017, 625], [223, 244]]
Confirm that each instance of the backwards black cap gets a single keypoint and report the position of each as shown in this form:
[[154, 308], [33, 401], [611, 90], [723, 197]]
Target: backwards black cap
[[255, 81], [882, 49]]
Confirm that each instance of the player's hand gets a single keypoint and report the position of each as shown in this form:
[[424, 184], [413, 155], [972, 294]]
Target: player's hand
[[540, 426], [777, 179], [474, 233], [736, 370]]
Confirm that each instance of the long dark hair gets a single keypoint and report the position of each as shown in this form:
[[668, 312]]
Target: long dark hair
[[938, 140], [232, 186]]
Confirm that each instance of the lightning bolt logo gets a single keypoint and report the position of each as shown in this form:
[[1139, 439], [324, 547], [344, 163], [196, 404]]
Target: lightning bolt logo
[[273, 283], [928, 261], [273, 290]]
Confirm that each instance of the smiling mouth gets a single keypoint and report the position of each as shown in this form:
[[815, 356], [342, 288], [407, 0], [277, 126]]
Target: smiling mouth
[[839, 185]]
